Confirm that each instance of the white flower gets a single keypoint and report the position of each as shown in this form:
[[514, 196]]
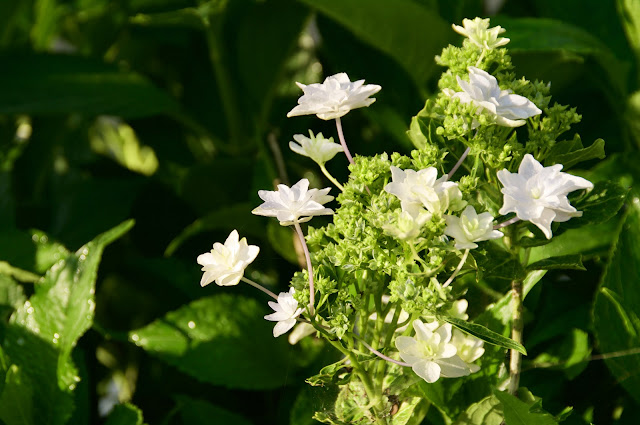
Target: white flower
[[539, 194], [509, 110], [418, 189], [315, 147], [480, 34], [470, 227], [295, 204], [226, 263], [459, 309], [301, 330], [407, 227], [286, 311], [430, 353], [333, 98], [469, 348]]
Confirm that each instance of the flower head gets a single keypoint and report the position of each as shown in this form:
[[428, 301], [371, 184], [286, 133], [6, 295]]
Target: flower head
[[294, 204], [334, 98], [509, 110], [459, 309], [422, 189], [226, 263], [539, 194], [470, 227], [431, 353], [407, 227], [480, 34], [286, 311], [315, 147], [469, 348]]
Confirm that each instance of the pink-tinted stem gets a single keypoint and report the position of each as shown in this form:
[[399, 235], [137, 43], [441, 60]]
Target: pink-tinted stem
[[459, 163], [506, 223], [342, 142], [309, 267]]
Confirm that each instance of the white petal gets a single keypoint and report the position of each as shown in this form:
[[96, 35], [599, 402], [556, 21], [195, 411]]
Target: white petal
[[427, 370]]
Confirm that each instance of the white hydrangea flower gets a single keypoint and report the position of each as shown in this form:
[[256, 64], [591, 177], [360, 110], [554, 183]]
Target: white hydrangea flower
[[459, 309], [226, 263], [334, 98], [286, 311], [301, 330], [509, 110], [315, 147], [293, 204], [407, 227], [539, 194], [480, 34], [470, 227], [431, 353], [418, 189], [469, 348]]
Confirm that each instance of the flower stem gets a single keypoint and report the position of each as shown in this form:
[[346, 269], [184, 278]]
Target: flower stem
[[459, 163], [342, 141], [516, 334], [457, 270], [382, 356], [506, 223], [309, 267], [480, 58], [259, 287], [330, 177]]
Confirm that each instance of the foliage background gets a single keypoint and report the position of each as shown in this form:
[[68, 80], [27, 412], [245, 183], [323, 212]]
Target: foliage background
[[173, 113]]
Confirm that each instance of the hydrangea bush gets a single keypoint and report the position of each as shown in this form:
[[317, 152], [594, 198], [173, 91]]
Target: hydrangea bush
[[385, 280]]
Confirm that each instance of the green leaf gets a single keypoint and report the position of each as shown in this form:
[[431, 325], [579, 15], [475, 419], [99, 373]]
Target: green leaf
[[518, 412], [575, 156], [487, 411], [42, 333], [629, 12], [570, 355], [408, 32], [547, 35], [484, 334], [125, 414], [223, 340], [599, 205], [570, 262], [200, 412], [615, 313], [11, 295], [46, 84]]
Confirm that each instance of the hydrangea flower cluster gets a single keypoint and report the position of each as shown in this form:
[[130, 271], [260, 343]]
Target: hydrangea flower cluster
[[389, 271]]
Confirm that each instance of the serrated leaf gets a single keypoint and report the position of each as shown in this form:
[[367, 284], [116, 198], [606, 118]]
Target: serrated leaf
[[485, 334], [569, 159], [567, 262], [46, 84], [43, 331], [408, 32], [487, 411], [518, 412], [125, 414], [215, 339], [615, 312]]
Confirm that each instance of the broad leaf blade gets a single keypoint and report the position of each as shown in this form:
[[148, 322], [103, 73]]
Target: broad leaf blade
[[615, 313], [223, 340], [518, 412]]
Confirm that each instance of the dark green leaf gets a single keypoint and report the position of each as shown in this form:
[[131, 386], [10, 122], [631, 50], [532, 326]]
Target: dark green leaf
[[485, 334], [569, 159], [125, 414], [518, 412], [215, 339], [571, 262], [599, 205], [200, 412], [61, 84], [615, 313], [408, 32]]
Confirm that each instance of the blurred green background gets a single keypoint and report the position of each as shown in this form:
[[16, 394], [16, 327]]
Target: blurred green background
[[173, 113]]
